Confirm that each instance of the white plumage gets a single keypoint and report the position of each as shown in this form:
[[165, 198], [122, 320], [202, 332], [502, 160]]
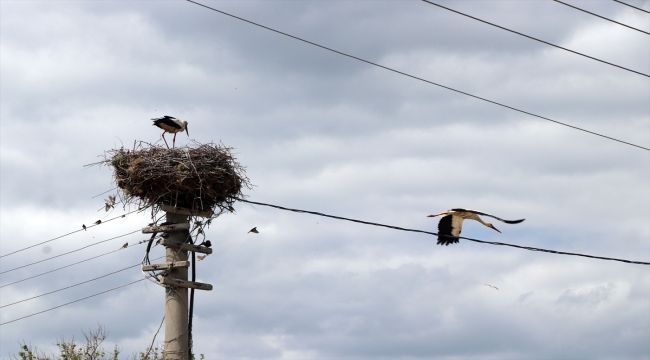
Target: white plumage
[[451, 223], [171, 125]]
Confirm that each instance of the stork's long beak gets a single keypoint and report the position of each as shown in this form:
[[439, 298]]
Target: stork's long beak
[[434, 215], [187, 131], [495, 228]]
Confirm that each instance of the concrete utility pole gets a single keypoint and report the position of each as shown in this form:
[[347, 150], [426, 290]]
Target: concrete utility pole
[[176, 305], [176, 282]]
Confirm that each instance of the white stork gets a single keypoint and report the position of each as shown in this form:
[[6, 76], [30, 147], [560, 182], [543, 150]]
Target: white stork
[[171, 125], [451, 223]]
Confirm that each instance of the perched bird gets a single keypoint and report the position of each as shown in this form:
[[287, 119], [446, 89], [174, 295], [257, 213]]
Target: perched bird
[[171, 125], [492, 286], [126, 245], [110, 202], [83, 226], [254, 230], [451, 223], [206, 243], [98, 222], [200, 257]]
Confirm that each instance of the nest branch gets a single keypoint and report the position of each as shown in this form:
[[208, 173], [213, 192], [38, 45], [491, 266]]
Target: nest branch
[[201, 177]]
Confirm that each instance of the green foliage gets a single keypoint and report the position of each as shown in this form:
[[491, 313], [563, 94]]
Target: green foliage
[[70, 350], [91, 350]]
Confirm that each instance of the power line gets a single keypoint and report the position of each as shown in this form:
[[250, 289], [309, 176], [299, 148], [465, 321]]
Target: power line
[[71, 302], [432, 233], [103, 193], [70, 233], [536, 39], [76, 263], [632, 6], [602, 17], [419, 78], [69, 252], [71, 286]]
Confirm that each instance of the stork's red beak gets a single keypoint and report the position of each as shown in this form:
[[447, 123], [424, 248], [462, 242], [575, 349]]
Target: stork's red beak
[[433, 215], [187, 131], [495, 228]]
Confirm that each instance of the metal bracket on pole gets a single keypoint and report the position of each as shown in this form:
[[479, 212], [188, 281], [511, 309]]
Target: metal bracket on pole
[[172, 265], [166, 228], [186, 211], [185, 284], [186, 246]]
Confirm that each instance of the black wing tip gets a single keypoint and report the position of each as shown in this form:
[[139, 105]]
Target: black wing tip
[[166, 117], [447, 240], [514, 221]]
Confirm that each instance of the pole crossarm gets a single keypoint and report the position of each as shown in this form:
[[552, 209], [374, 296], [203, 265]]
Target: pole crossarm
[[165, 228], [185, 284], [168, 266], [186, 246]]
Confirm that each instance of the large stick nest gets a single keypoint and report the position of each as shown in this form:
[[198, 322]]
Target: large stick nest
[[203, 177]]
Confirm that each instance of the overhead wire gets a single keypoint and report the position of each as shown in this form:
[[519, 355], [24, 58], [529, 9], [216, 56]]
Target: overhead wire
[[74, 285], [632, 6], [536, 39], [436, 234], [71, 302], [103, 193], [421, 79], [602, 17], [69, 265], [69, 252], [70, 233]]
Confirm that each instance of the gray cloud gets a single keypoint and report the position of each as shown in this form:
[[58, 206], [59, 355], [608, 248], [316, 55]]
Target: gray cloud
[[326, 133]]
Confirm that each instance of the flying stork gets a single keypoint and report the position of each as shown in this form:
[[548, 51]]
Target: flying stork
[[451, 223], [171, 125]]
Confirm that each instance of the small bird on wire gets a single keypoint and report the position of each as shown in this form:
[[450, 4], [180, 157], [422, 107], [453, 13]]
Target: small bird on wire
[[206, 243], [171, 125], [492, 286], [110, 202], [254, 230], [451, 223], [126, 245], [98, 222], [83, 226]]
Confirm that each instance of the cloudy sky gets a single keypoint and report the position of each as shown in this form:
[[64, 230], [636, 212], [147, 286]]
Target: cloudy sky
[[323, 132]]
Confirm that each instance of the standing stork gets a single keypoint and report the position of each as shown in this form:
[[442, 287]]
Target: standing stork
[[171, 125], [451, 223]]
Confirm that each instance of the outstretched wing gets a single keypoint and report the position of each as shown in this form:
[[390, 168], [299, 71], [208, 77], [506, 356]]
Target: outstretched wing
[[449, 228], [492, 216]]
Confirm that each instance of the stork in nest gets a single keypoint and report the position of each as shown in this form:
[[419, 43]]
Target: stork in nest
[[171, 125]]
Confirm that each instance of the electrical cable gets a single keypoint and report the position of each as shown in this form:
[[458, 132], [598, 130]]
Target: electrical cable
[[536, 39], [432, 233], [70, 233], [602, 17], [632, 6], [103, 193], [71, 302], [69, 252], [71, 286], [63, 267], [421, 79]]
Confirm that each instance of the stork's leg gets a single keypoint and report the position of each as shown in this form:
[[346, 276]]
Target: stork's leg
[[174, 142], [163, 136]]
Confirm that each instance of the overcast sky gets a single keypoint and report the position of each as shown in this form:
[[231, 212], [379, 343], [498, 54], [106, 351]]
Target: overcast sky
[[323, 132]]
